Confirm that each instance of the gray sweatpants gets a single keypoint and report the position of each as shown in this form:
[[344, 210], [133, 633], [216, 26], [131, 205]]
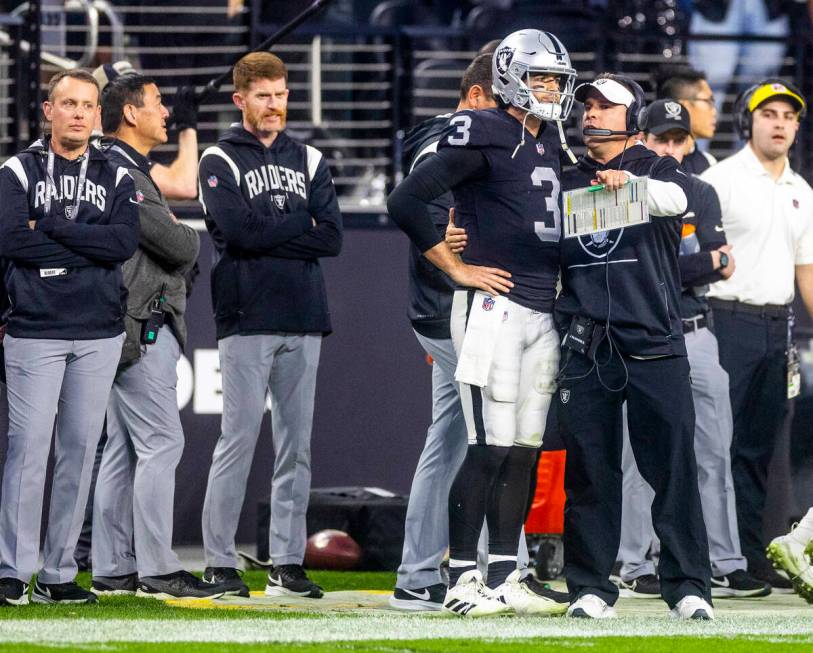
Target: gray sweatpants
[[712, 444], [284, 366], [75, 376], [426, 530], [135, 490]]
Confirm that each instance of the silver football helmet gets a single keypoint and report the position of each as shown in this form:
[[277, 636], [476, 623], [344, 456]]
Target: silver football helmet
[[530, 52]]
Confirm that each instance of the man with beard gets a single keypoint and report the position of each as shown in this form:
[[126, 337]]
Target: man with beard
[[272, 212]]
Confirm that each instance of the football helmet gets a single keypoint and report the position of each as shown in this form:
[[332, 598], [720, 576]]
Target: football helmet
[[530, 52]]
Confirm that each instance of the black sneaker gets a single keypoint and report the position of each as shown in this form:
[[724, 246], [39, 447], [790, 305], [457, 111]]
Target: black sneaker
[[61, 593], [423, 599], [779, 584], [13, 592], [178, 585], [228, 578], [125, 585], [291, 580], [644, 587], [738, 583]]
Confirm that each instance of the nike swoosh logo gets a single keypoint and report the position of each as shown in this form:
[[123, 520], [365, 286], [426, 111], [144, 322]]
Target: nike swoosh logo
[[275, 581], [424, 596], [721, 583], [132, 202], [718, 227]]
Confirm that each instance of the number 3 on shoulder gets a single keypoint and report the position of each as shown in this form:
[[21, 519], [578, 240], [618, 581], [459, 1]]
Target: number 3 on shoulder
[[462, 130]]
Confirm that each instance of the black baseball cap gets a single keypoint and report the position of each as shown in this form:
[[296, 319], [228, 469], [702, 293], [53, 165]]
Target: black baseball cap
[[665, 115]]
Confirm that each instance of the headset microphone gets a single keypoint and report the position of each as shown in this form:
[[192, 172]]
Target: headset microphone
[[608, 132]]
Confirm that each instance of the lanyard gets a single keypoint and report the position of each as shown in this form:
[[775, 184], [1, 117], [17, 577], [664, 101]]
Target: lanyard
[[51, 184]]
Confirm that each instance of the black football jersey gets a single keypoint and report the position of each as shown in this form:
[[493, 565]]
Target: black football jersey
[[511, 212]]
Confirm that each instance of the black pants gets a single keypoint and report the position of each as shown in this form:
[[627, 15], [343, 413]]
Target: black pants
[[752, 351], [660, 415]]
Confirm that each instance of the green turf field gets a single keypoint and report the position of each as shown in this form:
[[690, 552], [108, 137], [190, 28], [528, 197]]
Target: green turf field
[[777, 623]]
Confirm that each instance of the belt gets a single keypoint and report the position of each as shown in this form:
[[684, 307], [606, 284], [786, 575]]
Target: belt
[[695, 324], [767, 311]]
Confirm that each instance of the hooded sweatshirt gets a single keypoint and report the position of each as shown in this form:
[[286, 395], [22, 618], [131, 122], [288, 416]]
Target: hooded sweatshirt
[[430, 289], [64, 278], [260, 205], [630, 277]]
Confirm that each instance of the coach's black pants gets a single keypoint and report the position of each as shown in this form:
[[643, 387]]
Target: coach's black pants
[[752, 351], [660, 415]]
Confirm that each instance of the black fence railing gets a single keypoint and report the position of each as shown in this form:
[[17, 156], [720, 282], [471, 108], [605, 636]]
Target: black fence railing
[[354, 91]]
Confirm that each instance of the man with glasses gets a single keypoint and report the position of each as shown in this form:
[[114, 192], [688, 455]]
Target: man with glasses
[[690, 88]]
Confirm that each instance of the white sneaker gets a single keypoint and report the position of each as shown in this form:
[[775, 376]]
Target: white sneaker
[[526, 596], [692, 607], [590, 606], [471, 598]]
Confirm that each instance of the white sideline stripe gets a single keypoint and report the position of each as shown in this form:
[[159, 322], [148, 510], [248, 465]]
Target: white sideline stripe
[[64, 632]]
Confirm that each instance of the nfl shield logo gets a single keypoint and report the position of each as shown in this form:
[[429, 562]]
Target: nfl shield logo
[[212, 181], [488, 303], [279, 200], [540, 148], [139, 196], [564, 395], [795, 204]]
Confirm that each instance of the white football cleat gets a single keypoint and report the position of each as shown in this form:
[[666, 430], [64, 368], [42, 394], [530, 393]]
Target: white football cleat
[[590, 606], [788, 555], [526, 596], [471, 598], [692, 607]]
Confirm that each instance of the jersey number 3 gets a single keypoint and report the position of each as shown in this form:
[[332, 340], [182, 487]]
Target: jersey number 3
[[548, 229]]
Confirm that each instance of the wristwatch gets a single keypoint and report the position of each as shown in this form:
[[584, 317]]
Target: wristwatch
[[723, 260]]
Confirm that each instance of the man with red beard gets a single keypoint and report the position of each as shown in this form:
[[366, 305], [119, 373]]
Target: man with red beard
[[272, 212]]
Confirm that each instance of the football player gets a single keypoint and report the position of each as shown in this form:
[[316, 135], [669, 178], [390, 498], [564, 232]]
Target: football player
[[503, 167]]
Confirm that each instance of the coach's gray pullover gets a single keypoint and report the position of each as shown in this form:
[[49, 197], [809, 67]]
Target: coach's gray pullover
[[167, 249]]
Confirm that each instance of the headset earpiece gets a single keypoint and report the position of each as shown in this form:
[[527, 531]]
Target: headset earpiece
[[636, 112]]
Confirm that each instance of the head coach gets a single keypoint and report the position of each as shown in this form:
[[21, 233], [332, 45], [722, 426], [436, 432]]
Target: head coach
[[621, 289]]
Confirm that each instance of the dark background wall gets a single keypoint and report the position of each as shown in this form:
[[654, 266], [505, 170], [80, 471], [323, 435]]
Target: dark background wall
[[373, 397]]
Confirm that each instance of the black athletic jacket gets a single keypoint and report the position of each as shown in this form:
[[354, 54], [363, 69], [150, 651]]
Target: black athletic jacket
[[64, 278], [260, 203], [430, 289], [642, 273], [702, 233]]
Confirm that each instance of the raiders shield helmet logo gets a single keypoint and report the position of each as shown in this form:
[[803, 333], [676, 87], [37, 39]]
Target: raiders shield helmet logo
[[564, 395], [504, 56], [279, 200]]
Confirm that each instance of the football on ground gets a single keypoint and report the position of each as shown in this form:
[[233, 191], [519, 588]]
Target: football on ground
[[332, 549]]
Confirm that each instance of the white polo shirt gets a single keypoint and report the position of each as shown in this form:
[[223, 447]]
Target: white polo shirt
[[769, 225]]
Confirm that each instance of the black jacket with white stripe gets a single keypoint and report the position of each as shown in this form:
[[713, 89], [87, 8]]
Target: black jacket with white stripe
[[272, 213], [430, 289], [64, 278]]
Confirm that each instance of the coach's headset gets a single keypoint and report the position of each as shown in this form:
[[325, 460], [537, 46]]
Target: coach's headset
[[636, 112], [752, 97]]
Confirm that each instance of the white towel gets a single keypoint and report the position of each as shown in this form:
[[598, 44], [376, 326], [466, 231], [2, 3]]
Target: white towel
[[480, 341]]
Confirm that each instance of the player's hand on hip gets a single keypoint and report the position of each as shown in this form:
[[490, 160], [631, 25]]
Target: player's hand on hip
[[455, 236], [492, 280], [612, 179]]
